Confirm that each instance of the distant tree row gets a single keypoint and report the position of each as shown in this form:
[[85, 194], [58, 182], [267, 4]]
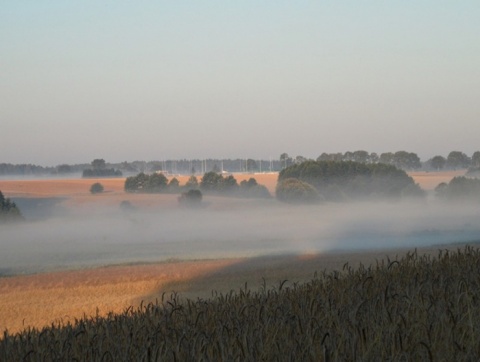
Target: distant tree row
[[99, 169], [455, 160], [9, 210], [154, 183], [212, 182], [401, 159], [347, 180]]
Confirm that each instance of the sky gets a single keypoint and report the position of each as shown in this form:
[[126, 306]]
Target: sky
[[154, 80]]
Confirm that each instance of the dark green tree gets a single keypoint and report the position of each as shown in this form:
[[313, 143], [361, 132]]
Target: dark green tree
[[191, 198], [211, 182], [457, 159], [406, 160], [476, 159], [251, 189], [438, 162], [9, 212], [156, 183], [386, 158], [460, 189], [99, 164], [192, 183], [174, 185], [96, 188], [294, 191]]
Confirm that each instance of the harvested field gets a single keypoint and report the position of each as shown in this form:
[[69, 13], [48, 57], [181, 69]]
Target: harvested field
[[40, 299]]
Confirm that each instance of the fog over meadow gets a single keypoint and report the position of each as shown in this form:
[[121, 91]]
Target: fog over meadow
[[107, 235]]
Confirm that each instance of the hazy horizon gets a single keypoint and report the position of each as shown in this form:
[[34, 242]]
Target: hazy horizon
[[192, 80]]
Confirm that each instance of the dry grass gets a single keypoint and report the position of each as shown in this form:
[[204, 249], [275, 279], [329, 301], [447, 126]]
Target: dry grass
[[414, 308], [39, 300]]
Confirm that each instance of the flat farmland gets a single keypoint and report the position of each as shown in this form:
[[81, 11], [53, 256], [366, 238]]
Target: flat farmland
[[241, 245]]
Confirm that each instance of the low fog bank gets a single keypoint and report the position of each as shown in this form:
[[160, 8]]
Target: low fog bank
[[105, 236]]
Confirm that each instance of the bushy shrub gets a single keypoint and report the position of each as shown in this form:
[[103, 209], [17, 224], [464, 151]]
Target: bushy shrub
[[190, 198], [251, 189], [9, 210], [294, 191], [126, 206], [96, 188]]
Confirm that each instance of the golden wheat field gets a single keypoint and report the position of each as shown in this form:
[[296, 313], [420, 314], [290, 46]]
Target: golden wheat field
[[41, 299]]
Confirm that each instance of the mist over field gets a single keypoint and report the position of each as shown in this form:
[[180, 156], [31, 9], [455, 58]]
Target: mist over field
[[107, 235]]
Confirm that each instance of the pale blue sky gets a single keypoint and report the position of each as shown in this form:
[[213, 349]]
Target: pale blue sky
[[129, 80]]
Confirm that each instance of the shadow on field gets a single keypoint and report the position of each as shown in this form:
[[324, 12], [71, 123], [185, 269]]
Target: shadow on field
[[270, 271], [35, 209]]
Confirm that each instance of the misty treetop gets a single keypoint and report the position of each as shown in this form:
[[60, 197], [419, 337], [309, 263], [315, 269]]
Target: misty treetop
[[344, 180], [459, 189], [99, 169], [9, 210], [143, 183], [216, 183]]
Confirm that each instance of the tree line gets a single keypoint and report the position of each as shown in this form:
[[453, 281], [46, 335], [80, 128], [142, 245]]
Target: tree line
[[344, 180], [400, 159], [211, 183]]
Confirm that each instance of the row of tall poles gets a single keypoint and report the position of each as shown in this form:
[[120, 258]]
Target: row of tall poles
[[203, 166]]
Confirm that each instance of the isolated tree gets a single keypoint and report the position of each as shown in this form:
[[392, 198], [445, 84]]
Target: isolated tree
[[438, 162], [96, 188], [294, 191], [191, 198], [476, 159], [457, 159], [156, 182], [9, 210], [174, 185], [136, 183], [192, 183], [406, 160], [251, 189], [211, 181], [229, 184], [99, 164], [386, 158]]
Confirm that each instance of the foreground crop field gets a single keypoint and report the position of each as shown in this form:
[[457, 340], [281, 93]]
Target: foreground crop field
[[415, 308]]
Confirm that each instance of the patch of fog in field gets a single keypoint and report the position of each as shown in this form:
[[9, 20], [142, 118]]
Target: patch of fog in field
[[109, 236]]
